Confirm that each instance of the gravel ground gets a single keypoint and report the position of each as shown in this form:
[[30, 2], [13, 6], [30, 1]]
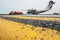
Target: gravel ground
[[42, 23]]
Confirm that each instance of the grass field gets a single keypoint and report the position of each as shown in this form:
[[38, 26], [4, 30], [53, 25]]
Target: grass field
[[10, 30], [38, 18]]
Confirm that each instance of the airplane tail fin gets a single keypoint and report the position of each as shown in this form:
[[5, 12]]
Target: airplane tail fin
[[50, 5]]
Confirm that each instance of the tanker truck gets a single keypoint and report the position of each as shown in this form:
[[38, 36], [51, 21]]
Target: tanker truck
[[15, 13]]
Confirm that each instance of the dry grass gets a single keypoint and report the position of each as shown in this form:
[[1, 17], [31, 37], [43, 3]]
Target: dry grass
[[10, 30], [37, 18]]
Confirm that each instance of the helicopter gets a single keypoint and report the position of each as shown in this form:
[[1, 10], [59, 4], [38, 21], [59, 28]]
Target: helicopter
[[34, 11]]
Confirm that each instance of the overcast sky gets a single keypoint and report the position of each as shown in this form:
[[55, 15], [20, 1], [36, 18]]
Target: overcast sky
[[18, 5]]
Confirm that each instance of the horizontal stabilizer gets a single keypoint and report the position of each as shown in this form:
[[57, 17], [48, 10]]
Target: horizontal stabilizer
[[50, 5]]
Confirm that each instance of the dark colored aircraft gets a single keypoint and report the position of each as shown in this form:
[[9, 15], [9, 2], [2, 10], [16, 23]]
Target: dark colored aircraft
[[49, 7]]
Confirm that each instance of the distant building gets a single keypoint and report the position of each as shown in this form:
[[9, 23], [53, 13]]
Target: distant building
[[56, 13]]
